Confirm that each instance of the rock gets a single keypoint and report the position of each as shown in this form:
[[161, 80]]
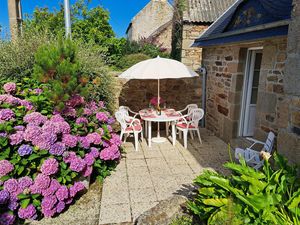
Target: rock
[[163, 213]]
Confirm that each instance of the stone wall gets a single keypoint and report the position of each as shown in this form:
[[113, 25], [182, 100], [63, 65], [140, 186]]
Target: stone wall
[[176, 92], [154, 15], [190, 56], [164, 37], [226, 66], [289, 132]]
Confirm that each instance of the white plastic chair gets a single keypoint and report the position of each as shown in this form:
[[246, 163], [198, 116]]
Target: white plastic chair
[[188, 108], [129, 125], [128, 111], [251, 156], [192, 124]]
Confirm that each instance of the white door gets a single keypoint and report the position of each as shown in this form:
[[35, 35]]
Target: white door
[[250, 92]]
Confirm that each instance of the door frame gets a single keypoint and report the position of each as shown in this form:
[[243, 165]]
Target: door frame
[[246, 89]]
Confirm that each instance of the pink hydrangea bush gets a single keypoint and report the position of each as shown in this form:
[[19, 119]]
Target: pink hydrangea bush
[[44, 153]]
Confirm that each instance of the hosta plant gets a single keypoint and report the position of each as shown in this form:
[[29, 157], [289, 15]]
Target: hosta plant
[[248, 196], [45, 154]]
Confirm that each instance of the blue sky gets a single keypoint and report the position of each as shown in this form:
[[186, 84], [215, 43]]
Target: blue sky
[[121, 11]]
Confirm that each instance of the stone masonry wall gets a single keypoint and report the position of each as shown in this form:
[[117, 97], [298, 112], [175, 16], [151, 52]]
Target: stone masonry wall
[[176, 92], [226, 67], [289, 130], [191, 56], [154, 15]]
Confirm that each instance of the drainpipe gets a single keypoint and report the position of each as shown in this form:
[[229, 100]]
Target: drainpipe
[[203, 71]]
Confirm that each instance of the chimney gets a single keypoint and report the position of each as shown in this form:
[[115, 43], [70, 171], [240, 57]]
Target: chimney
[[15, 17]]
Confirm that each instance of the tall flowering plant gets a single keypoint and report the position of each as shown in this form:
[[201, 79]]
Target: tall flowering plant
[[154, 101], [44, 153]]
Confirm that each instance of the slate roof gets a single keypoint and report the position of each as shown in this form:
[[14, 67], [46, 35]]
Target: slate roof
[[205, 11]]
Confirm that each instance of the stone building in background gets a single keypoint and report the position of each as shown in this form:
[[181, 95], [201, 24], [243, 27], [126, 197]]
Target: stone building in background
[[15, 17], [252, 56], [197, 16], [153, 23]]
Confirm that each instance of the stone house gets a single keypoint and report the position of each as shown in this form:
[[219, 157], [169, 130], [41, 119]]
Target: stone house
[[252, 55], [197, 16], [154, 23]]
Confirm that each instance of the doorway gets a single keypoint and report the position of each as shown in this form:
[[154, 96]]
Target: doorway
[[250, 93]]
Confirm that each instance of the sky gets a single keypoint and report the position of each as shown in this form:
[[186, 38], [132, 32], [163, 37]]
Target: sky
[[121, 11]]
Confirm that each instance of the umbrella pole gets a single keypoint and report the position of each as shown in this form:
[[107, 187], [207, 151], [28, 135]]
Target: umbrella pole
[[158, 102]]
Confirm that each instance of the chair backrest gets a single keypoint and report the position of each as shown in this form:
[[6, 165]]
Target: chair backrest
[[120, 117], [268, 146], [197, 115], [125, 109], [190, 107]]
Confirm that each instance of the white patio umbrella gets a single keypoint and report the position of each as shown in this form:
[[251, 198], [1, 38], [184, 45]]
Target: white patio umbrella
[[157, 69]]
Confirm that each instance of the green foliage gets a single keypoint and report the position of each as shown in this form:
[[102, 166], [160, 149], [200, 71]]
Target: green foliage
[[248, 196], [183, 220], [57, 65], [130, 60], [17, 57]]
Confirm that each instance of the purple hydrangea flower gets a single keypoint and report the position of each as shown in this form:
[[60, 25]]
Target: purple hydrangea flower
[[19, 128], [25, 150], [7, 219], [94, 138], [51, 127], [60, 206], [9, 87], [42, 181], [17, 138], [45, 140], [35, 118], [26, 104], [32, 132], [24, 182], [110, 153], [58, 148], [109, 128], [77, 164], [5, 167], [48, 206], [11, 185], [101, 104], [75, 100], [115, 140], [82, 120], [77, 187], [3, 134], [102, 116], [54, 185], [28, 213], [49, 167], [87, 112], [64, 127], [62, 193], [6, 114], [94, 152], [89, 159], [57, 118], [84, 142], [4, 197], [69, 111], [13, 203], [87, 171], [69, 156], [69, 140], [111, 120]]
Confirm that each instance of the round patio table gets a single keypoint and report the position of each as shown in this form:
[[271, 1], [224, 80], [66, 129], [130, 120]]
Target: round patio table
[[167, 116]]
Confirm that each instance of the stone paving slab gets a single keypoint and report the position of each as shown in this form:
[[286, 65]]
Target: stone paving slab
[[145, 177]]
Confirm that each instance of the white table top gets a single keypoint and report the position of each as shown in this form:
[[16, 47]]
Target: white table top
[[167, 115]]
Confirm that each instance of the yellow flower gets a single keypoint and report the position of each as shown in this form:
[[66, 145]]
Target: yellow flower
[[265, 155]]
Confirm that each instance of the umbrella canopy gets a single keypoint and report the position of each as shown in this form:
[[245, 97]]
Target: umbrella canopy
[[158, 68]]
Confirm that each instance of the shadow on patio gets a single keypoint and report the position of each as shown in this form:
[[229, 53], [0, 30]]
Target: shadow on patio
[[145, 177]]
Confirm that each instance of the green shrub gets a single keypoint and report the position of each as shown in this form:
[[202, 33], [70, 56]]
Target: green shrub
[[130, 60], [271, 196], [17, 57]]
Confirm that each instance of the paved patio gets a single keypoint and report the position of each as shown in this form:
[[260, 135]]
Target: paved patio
[[144, 178]]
